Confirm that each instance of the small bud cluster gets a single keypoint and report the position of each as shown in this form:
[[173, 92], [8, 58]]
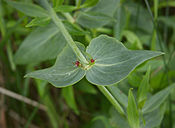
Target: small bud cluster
[[78, 64]]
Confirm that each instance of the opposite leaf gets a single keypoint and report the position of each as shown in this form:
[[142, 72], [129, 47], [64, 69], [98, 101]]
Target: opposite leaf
[[156, 100], [42, 44], [113, 61], [64, 72], [28, 8], [133, 114]]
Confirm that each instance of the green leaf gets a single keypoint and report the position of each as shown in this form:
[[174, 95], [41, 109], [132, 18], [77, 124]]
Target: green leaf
[[85, 86], [89, 3], [46, 99], [154, 118], [65, 8], [164, 4], [74, 29], [98, 16], [117, 120], [143, 89], [113, 62], [133, 114], [119, 95], [39, 21], [93, 19], [134, 79], [28, 8], [103, 120], [42, 44], [68, 94], [64, 72], [133, 39], [119, 26], [169, 21], [157, 99]]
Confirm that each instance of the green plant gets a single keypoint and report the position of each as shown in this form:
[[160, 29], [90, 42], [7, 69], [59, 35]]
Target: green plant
[[78, 38]]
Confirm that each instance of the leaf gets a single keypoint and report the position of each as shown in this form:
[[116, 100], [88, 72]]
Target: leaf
[[132, 38], [85, 86], [134, 79], [64, 72], [68, 94], [139, 20], [46, 99], [65, 8], [120, 16], [28, 8], [119, 95], [104, 120], [74, 29], [164, 4], [154, 118], [133, 114], [39, 21], [42, 44], [157, 99], [169, 21], [113, 62], [93, 19], [117, 120], [89, 3], [110, 7], [98, 16], [143, 89]]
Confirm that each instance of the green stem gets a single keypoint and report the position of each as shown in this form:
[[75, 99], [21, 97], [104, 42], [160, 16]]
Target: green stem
[[78, 53], [113, 101], [10, 56], [69, 17], [65, 33], [78, 3]]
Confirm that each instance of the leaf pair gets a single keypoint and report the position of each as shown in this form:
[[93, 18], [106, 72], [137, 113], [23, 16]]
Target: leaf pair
[[113, 62]]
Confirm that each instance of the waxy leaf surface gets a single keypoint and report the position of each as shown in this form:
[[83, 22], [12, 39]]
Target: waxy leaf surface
[[42, 44], [64, 72], [98, 16], [113, 61], [28, 8]]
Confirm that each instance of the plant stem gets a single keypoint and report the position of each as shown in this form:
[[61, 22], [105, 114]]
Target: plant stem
[[78, 53], [69, 17], [113, 101], [65, 33]]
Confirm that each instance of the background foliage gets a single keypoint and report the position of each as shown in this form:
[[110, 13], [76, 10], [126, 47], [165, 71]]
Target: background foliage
[[30, 41]]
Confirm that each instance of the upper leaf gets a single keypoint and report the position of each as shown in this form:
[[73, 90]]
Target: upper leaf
[[156, 100], [28, 8], [113, 61], [42, 44], [65, 8], [93, 19], [143, 89], [64, 72], [89, 3], [132, 111], [39, 21], [98, 16]]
